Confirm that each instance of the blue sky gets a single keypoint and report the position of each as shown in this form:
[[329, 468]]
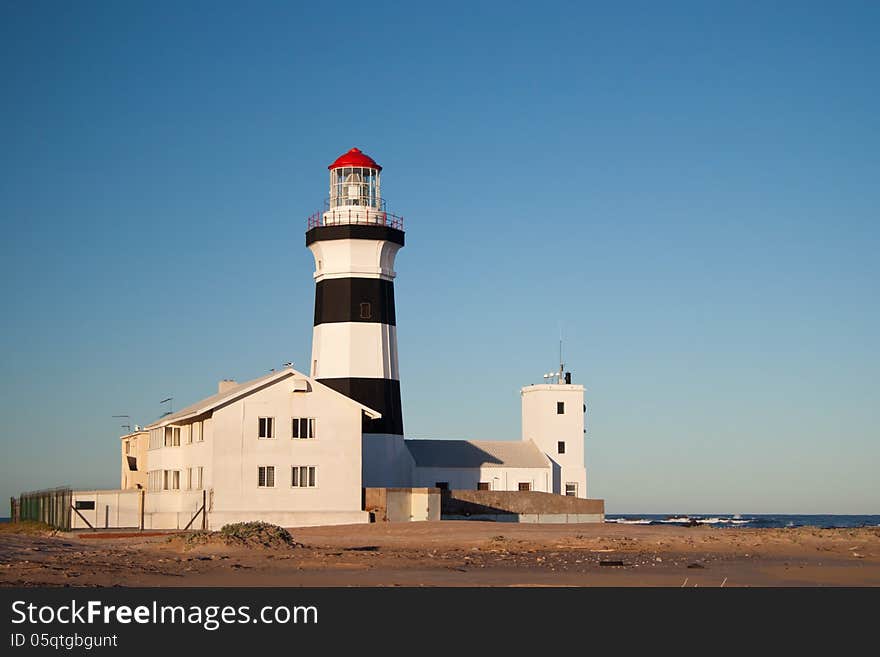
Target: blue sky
[[688, 190]]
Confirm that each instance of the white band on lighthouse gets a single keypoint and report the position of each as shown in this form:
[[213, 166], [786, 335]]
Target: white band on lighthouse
[[354, 349]]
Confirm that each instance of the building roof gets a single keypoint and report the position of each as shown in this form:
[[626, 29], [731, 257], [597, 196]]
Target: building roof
[[243, 389], [355, 158], [476, 454]]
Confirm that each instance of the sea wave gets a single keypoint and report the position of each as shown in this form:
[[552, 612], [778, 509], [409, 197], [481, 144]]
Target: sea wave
[[757, 520], [625, 521]]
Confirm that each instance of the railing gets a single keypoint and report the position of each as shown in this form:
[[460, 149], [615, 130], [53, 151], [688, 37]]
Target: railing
[[358, 215]]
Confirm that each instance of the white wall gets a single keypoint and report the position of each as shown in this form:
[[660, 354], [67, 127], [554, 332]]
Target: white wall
[[112, 508], [355, 257], [137, 445], [542, 424], [387, 462], [335, 452], [499, 478]]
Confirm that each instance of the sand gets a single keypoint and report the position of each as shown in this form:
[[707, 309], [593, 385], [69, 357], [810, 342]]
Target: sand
[[463, 553]]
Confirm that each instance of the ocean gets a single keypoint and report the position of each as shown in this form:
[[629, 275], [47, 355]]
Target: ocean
[[745, 520]]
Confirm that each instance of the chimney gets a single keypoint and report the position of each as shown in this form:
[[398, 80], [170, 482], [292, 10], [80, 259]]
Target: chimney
[[225, 385]]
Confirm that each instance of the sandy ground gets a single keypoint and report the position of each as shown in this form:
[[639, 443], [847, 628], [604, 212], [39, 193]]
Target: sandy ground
[[461, 553]]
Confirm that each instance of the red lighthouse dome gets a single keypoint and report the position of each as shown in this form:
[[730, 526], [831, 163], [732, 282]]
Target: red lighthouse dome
[[355, 158]]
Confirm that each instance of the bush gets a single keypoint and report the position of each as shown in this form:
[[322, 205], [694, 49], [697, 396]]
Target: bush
[[244, 534], [253, 534]]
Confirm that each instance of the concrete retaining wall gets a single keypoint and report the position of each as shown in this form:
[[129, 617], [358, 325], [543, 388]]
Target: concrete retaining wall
[[533, 517], [520, 506]]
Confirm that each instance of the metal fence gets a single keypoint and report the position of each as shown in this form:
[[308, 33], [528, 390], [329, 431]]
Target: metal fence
[[52, 506]]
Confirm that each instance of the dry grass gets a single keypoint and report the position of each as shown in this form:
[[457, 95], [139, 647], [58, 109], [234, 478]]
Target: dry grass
[[30, 527]]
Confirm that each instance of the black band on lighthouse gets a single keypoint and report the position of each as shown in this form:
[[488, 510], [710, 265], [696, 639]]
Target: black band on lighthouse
[[354, 300], [382, 395], [354, 232]]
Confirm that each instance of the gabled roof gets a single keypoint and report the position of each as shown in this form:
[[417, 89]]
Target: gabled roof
[[476, 454], [245, 389]]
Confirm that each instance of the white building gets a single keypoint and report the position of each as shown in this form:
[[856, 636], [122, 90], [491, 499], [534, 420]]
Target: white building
[[282, 448], [549, 457]]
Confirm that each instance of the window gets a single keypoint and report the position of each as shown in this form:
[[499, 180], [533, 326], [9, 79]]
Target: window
[[187, 432], [155, 438], [266, 429], [266, 476], [154, 480], [170, 479], [197, 432], [172, 436], [302, 476], [200, 477], [483, 485], [560, 447], [525, 485], [366, 310], [442, 485], [303, 427], [189, 478], [560, 408], [571, 489], [128, 447], [85, 505]]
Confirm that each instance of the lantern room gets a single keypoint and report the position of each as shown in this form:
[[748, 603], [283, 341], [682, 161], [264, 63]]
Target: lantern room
[[355, 194], [354, 181]]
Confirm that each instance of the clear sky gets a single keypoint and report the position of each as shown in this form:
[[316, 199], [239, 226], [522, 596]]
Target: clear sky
[[688, 190]]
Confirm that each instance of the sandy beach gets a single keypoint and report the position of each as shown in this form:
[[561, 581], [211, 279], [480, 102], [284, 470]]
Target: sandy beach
[[464, 553]]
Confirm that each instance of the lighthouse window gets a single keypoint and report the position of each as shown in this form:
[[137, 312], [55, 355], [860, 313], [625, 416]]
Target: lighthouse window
[[266, 427], [560, 447], [560, 408], [366, 310]]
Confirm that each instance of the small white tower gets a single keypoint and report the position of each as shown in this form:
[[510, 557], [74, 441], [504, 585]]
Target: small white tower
[[553, 417], [354, 241]]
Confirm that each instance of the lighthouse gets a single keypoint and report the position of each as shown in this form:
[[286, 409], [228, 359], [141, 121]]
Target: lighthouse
[[354, 241]]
